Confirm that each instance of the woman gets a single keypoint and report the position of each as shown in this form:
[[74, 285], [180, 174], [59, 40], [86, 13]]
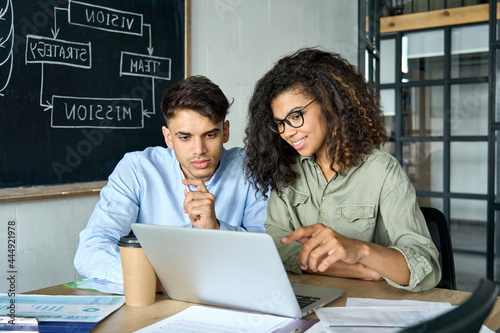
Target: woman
[[338, 206]]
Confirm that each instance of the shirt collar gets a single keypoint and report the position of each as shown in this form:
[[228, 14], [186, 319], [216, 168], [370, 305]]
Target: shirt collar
[[312, 161]]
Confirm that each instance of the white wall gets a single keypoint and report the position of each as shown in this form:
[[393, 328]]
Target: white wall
[[234, 42], [46, 240]]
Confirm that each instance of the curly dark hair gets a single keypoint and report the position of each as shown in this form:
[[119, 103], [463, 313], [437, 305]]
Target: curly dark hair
[[349, 107], [196, 93]]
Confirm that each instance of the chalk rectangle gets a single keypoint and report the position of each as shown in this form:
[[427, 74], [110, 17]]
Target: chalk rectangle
[[90, 112], [135, 64], [105, 18], [46, 50]]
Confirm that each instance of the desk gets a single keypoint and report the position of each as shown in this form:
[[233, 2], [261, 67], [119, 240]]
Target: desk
[[130, 319]]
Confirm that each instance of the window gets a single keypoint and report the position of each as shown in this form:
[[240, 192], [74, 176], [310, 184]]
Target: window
[[368, 42], [434, 91]]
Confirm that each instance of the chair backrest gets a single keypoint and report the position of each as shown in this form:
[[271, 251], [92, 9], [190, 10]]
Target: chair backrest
[[440, 233], [467, 317]]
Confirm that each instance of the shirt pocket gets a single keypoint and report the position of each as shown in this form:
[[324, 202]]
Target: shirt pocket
[[356, 221], [296, 202]]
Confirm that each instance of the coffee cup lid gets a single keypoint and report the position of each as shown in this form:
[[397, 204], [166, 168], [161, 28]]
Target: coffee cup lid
[[129, 241]]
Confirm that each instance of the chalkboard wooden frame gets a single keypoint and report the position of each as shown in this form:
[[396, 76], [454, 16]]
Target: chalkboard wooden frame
[[78, 188]]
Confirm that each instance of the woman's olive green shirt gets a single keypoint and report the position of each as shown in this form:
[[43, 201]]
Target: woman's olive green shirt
[[373, 201]]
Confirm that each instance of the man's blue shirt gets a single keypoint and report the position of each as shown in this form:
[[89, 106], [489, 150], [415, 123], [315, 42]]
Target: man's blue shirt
[[146, 187]]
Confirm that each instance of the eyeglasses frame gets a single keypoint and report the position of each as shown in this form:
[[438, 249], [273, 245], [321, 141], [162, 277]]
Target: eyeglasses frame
[[275, 125]]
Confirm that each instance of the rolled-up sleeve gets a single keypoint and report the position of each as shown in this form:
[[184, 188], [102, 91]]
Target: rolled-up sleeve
[[408, 233]]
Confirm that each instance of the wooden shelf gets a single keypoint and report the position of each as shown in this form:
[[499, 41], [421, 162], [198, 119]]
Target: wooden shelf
[[436, 18], [50, 192]]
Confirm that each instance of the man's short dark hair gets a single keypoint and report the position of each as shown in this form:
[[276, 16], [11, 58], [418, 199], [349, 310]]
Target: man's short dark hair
[[196, 93]]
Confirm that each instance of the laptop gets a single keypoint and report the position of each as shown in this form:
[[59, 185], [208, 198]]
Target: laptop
[[240, 270]]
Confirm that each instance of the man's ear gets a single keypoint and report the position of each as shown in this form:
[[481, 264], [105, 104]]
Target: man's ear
[[167, 136], [225, 132]]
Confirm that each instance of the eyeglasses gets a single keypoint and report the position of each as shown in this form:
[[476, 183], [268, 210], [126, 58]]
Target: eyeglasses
[[294, 119]]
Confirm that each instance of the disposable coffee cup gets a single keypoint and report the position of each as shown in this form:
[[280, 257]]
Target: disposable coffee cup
[[139, 278]]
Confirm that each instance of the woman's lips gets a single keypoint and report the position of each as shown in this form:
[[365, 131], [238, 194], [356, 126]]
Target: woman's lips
[[299, 144]]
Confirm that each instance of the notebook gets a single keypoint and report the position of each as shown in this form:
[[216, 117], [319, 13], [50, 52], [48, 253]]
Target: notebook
[[240, 270]]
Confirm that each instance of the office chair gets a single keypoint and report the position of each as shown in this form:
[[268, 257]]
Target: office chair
[[467, 317], [440, 234]]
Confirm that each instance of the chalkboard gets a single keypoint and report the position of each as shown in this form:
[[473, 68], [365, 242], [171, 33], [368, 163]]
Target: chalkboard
[[81, 84]]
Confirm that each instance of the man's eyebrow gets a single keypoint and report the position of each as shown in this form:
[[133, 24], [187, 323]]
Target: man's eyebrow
[[215, 130], [180, 133]]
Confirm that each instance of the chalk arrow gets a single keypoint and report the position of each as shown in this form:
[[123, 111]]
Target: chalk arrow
[[4, 10], [9, 59], [150, 48], [147, 114], [55, 33], [3, 42], [47, 106]]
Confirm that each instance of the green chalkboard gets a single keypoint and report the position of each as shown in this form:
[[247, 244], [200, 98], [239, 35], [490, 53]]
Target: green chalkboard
[[81, 84]]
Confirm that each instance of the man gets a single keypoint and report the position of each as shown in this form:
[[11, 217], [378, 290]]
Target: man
[[196, 183]]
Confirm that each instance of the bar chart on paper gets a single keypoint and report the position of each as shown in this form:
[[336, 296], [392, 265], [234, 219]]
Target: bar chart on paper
[[89, 309]]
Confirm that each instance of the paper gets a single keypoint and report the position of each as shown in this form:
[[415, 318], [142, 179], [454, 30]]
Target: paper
[[485, 329], [199, 318], [379, 316], [98, 285], [318, 328], [376, 302], [353, 301], [90, 309], [20, 325]]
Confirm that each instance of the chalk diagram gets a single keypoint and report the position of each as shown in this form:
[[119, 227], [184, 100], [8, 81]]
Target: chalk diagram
[[6, 43], [95, 111]]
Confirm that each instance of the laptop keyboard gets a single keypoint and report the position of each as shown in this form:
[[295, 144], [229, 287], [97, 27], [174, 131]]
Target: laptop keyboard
[[305, 300]]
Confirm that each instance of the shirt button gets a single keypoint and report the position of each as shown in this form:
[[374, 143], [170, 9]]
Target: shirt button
[[323, 198]]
